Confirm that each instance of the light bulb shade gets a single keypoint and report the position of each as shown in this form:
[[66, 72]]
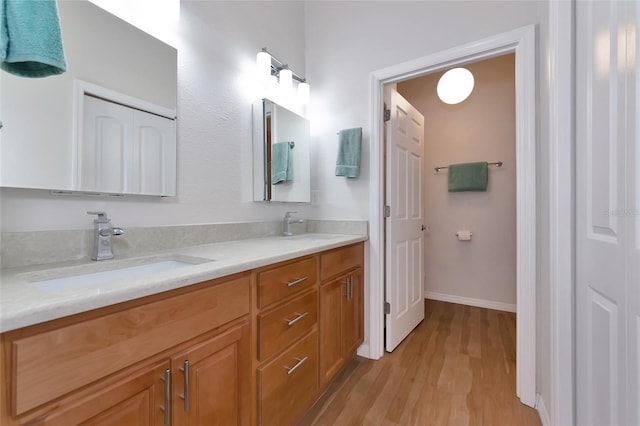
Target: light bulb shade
[[455, 85], [263, 64], [286, 79], [303, 93]]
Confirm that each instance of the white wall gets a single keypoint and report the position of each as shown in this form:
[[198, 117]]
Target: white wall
[[218, 42], [482, 128]]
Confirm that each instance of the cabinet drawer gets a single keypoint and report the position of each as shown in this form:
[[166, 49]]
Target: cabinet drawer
[[284, 281], [288, 385], [281, 326], [340, 260], [53, 363]]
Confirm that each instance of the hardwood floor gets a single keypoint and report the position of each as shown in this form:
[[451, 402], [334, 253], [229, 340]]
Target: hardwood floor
[[456, 368]]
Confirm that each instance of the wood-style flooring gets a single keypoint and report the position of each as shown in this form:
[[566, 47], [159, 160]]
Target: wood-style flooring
[[456, 368]]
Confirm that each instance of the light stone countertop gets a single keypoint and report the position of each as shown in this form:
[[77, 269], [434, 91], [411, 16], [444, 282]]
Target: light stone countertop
[[23, 304]]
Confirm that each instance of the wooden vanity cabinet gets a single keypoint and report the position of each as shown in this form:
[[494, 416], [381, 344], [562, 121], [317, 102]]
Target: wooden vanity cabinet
[[341, 309], [125, 364], [286, 341], [309, 322], [251, 348]]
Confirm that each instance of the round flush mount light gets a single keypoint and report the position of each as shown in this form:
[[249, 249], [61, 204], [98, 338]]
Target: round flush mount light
[[455, 85]]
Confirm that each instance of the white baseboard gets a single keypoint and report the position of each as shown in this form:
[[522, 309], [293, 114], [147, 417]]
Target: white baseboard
[[364, 351], [542, 411], [480, 303]]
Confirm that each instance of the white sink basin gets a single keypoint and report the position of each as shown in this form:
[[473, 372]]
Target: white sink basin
[[64, 279]]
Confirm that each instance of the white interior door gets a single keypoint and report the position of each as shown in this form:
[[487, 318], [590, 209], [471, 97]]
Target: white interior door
[[607, 214], [404, 234]]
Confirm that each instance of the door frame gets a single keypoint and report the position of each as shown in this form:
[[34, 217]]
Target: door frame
[[520, 41]]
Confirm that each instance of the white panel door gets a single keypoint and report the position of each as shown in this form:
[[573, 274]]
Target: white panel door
[[607, 214], [154, 154], [105, 149], [404, 234]]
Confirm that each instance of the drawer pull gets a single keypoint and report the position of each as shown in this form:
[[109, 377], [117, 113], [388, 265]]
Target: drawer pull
[[296, 281], [167, 396], [292, 369], [296, 319], [185, 394]]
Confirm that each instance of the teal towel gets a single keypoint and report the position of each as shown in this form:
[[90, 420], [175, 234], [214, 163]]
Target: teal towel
[[468, 177], [281, 163], [349, 147], [30, 38]]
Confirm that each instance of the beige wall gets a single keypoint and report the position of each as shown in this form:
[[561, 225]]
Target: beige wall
[[482, 128]]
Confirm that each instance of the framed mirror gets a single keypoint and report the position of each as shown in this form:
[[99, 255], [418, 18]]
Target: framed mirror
[[119, 80], [281, 163]]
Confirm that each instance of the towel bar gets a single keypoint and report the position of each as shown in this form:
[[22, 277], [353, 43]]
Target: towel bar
[[496, 163]]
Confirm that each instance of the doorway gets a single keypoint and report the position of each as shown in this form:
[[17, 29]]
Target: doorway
[[522, 43]]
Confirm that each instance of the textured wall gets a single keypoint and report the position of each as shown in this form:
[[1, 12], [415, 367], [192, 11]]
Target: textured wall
[[217, 44], [482, 128]]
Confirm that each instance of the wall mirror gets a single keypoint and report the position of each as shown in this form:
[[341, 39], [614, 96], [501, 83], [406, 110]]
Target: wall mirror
[[281, 162], [121, 81]]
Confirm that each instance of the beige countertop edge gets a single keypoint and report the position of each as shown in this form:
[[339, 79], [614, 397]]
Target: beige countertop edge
[[22, 304]]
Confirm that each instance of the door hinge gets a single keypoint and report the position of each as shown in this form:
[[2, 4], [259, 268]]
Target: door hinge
[[387, 211], [387, 115], [387, 308]]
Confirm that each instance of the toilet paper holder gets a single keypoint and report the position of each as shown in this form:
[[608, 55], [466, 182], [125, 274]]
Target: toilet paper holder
[[466, 235]]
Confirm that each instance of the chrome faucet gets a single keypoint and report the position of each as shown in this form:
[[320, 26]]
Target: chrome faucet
[[102, 232], [287, 221]]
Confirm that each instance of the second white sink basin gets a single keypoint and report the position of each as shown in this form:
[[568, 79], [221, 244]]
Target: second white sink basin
[[75, 278]]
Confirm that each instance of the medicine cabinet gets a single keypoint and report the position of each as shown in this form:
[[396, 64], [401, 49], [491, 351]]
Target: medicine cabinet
[[281, 159]]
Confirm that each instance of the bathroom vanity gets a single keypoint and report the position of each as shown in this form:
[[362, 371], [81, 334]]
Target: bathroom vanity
[[254, 343]]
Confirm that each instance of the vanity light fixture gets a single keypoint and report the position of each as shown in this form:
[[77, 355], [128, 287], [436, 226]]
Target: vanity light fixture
[[286, 79], [303, 93], [269, 67], [455, 85]]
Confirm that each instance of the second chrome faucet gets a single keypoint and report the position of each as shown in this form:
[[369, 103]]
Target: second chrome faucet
[[287, 221]]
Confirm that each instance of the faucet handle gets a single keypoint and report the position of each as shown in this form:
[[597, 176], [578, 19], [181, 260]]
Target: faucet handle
[[288, 214], [102, 217]]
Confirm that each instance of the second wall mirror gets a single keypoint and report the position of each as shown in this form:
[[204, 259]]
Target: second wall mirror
[[281, 161]]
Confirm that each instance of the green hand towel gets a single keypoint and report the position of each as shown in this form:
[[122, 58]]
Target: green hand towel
[[30, 38], [281, 163], [349, 147], [468, 177]]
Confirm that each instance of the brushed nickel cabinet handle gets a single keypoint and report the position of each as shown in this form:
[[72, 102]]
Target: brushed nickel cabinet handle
[[185, 392], [296, 319], [296, 281], [167, 396], [300, 362], [350, 287]]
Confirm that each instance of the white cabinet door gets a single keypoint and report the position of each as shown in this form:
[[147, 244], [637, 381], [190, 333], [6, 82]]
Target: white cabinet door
[[104, 151], [154, 154], [607, 214]]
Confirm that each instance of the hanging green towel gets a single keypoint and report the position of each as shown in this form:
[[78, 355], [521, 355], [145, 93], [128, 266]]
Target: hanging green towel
[[349, 147], [281, 163], [468, 177], [30, 38]]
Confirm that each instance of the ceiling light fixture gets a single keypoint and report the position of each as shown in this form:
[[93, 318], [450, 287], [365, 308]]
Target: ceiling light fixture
[[455, 85]]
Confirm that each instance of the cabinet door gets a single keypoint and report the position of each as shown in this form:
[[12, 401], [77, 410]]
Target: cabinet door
[[332, 295], [104, 151], [138, 399], [210, 381], [352, 314], [153, 154]]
